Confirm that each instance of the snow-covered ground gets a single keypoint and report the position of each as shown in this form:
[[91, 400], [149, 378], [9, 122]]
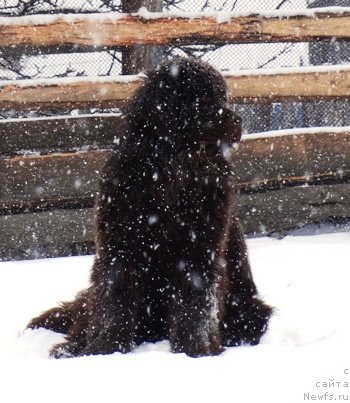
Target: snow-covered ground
[[305, 355]]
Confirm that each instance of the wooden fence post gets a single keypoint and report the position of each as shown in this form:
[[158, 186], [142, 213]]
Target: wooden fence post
[[139, 58]]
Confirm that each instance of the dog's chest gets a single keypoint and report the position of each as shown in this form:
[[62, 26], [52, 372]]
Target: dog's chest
[[185, 188]]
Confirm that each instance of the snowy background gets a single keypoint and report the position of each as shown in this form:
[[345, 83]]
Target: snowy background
[[305, 352], [303, 357]]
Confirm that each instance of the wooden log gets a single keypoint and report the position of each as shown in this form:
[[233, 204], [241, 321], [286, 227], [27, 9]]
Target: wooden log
[[47, 227], [261, 163], [66, 93], [51, 177], [275, 160], [47, 135], [140, 58], [100, 31], [280, 211], [26, 235], [55, 178], [276, 86], [306, 84], [88, 132]]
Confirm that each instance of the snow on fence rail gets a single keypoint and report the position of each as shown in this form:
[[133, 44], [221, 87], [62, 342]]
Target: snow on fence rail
[[278, 85], [109, 30]]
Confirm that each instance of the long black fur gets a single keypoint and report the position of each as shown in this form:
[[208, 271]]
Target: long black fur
[[171, 259]]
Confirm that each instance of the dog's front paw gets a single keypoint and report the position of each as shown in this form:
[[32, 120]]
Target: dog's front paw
[[196, 346], [101, 346], [67, 349], [246, 323]]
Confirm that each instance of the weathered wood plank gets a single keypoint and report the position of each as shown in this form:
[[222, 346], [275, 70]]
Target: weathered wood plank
[[47, 135], [56, 177], [47, 227], [66, 93], [57, 134], [286, 209], [304, 85], [53, 232], [87, 92], [261, 163], [273, 161], [101, 31]]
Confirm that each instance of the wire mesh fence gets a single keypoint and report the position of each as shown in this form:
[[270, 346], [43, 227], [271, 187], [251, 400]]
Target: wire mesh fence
[[225, 58]]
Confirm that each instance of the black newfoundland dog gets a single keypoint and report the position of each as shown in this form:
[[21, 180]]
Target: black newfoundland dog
[[171, 259]]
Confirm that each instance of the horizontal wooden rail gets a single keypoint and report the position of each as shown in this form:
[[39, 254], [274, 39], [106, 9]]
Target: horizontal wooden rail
[[46, 234], [28, 181], [273, 161], [285, 85], [89, 132], [280, 211], [65, 93], [57, 134], [260, 164], [101, 31], [274, 86]]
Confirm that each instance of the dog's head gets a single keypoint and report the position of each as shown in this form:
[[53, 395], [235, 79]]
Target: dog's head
[[185, 102]]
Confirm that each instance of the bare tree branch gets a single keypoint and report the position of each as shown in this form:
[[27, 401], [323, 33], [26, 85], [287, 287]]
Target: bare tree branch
[[234, 5], [281, 4], [206, 5], [13, 65], [225, 3], [286, 49], [172, 3], [115, 59]]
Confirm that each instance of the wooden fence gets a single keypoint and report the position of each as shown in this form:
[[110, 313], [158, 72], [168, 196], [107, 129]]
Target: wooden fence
[[49, 166]]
